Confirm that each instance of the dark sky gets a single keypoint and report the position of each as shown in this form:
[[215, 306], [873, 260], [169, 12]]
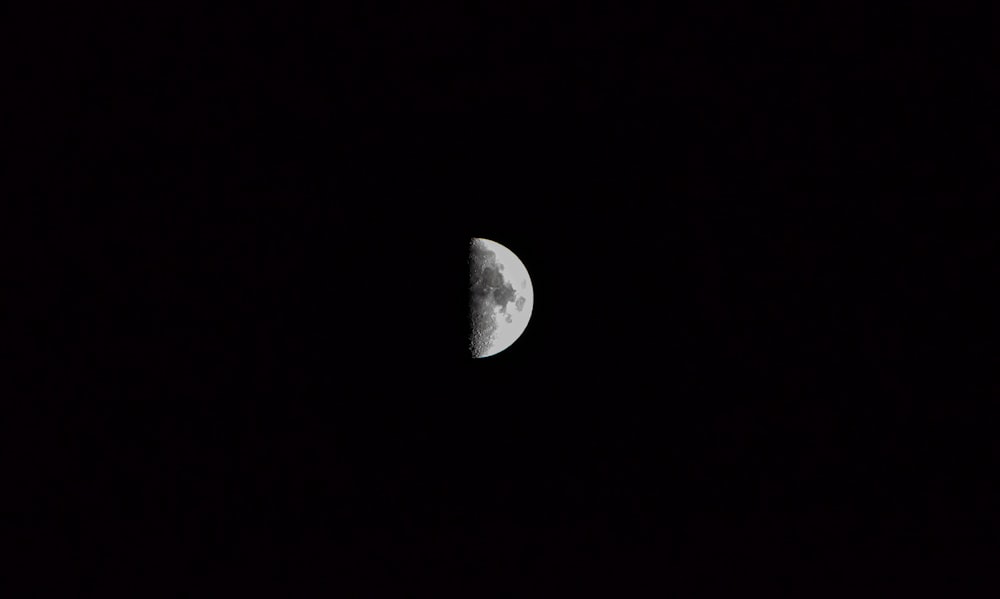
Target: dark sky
[[749, 239]]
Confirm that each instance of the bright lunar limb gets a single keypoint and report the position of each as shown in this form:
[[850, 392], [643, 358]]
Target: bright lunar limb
[[501, 297]]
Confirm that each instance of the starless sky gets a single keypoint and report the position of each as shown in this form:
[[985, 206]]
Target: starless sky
[[756, 331]]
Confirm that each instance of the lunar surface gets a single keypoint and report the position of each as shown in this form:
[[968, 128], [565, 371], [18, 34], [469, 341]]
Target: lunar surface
[[500, 298]]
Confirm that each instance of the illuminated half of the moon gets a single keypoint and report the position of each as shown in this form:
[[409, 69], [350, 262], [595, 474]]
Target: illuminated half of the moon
[[500, 297]]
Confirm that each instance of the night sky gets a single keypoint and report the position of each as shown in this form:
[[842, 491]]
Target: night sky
[[750, 361]]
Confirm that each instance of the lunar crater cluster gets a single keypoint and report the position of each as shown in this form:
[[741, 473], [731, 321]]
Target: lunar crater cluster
[[493, 326]]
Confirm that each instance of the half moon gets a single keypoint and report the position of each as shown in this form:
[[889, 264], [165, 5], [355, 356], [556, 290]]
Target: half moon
[[500, 297]]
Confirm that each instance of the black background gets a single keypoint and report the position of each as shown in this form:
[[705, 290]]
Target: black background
[[751, 239]]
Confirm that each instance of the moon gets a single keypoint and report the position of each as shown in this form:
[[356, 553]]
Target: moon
[[500, 297]]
